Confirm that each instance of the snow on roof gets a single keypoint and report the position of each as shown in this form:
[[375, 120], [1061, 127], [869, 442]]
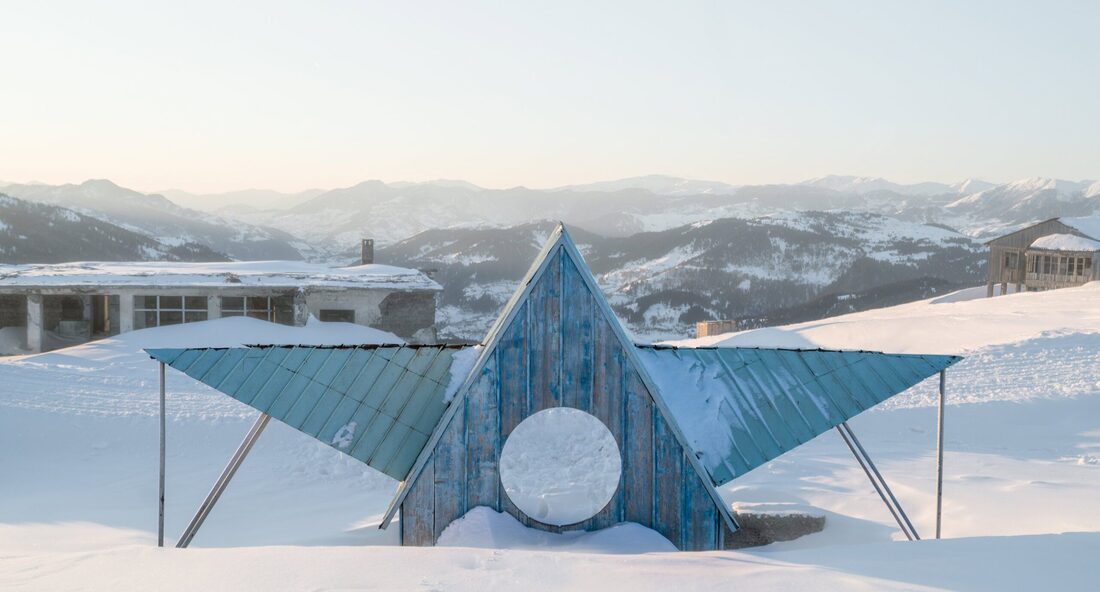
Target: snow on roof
[[1087, 225], [957, 323], [244, 273], [741, 407], [1065, 242]]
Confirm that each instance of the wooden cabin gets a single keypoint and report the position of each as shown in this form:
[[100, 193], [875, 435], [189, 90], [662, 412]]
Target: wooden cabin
[[1056, 253]]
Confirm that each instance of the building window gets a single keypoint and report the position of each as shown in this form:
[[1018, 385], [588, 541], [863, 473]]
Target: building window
[[1063, 266], [1046, 264], [1072, 266], [332, 315], [1011, 260], [277, 309], [158, 311]]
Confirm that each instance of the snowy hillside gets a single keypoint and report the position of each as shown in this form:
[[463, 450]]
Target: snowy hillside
[[1022, 466], [38, 233], [663, 282], [157, 217]]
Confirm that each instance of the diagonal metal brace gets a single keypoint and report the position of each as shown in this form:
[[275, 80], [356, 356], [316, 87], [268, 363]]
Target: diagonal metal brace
[[877, 480], [223, 480]]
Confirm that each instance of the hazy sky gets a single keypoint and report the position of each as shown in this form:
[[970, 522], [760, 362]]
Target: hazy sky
[[229, 95]]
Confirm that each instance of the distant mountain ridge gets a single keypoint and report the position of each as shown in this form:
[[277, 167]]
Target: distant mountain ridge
[[662, 282], [390, 212], [39, 233], [159, 218], [668, 251]]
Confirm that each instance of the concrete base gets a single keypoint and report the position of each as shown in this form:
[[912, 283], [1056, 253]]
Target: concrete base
[[758, 529]]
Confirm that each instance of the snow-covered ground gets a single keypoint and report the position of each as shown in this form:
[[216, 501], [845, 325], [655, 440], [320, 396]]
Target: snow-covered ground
[[78, 452]]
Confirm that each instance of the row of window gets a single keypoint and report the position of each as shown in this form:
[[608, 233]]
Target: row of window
[[1055, 265], [158, 311]]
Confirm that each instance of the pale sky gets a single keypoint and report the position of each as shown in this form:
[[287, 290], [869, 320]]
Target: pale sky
[[216, 96]]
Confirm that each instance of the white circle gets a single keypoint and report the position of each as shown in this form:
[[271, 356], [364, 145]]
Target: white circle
[[560, 466]]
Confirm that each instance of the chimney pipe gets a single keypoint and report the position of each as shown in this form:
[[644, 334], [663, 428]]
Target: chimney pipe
[[367, 251]]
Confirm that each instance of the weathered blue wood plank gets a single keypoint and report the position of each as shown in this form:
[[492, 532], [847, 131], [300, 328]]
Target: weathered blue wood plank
[[607, 398], [450, 474], [638, 452], [483, 439], [577, 312], [668, 482], [545, 343], [512, 356], [417, 513], [700, 517]]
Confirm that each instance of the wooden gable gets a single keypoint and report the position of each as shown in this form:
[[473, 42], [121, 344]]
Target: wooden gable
[[558, 344]]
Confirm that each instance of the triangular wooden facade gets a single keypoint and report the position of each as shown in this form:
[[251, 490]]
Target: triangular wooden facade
[[557, 343]]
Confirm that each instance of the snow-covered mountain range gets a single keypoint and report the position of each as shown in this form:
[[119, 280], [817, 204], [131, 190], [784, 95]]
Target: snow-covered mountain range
[[669, 250], [661, 283], [40, 233], [159, 218], [390, 212]]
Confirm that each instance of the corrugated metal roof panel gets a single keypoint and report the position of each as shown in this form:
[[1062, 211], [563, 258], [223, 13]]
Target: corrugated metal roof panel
[[741, 407], [378, 404]]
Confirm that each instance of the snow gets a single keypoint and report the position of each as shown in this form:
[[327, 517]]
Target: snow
[[940, 325], [1065, 242], [462, 363], [78, 434], [13, 340], [560, 466], [698, 415], [248, 273], [485, 528]]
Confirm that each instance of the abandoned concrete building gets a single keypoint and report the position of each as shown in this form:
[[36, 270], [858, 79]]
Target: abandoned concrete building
[[44, 307], [1056, 253]]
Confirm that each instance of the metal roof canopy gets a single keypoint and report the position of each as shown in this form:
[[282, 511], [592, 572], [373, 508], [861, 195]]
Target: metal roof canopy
[[383, 404], [377, 403]]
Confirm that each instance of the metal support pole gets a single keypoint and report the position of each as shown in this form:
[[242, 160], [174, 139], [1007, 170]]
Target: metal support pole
[[870, 476], [160, 520], [881, 480], [223, 480], [939, 453]]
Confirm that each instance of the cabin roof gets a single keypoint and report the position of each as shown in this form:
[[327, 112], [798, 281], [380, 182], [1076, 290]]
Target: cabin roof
[[1065, 242], [1086, 225]]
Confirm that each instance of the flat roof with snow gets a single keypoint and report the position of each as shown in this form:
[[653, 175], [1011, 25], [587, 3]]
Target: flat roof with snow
[[1065, 242], [274, 274]]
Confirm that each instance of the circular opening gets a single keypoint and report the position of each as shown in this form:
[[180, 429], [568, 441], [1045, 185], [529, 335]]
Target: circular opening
[[560, 466]]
